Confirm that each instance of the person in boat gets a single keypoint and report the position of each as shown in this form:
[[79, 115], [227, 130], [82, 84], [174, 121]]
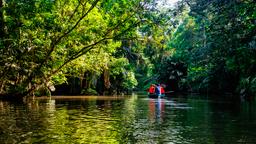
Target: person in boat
[[151, 89], [158, 90], [162, 89]]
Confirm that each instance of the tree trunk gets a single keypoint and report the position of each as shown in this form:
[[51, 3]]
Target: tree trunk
[[2, 83], [3, 29], [1, 19]]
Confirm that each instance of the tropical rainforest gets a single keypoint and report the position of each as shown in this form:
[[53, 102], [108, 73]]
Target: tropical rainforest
[[98, 47]]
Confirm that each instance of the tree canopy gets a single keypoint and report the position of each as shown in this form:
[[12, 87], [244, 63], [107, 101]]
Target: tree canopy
[[121, 45]]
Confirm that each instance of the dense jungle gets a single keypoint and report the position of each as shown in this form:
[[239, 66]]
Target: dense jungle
[[95, 47]]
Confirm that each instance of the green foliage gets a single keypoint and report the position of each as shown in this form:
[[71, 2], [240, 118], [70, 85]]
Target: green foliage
[[130, 81], [121, 74], [216, 41], [172, 73], [89, 91], [127, 44], [228, 35], [247, 87], [60, 78], [43, 41], [197, 77]]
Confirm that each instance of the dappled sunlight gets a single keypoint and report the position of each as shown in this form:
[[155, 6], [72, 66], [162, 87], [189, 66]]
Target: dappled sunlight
[[130, 119]]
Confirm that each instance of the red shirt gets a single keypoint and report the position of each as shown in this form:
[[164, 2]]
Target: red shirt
[[162, 90], [151, 89]]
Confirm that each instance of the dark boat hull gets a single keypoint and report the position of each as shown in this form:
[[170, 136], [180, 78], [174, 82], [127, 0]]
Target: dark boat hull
[[156, 96], [166, 94]]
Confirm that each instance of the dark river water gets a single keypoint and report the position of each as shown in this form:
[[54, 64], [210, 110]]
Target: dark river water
[[129, 119]]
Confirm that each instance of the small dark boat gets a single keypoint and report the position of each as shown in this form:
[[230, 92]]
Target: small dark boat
[[156, 96], [166, 94]]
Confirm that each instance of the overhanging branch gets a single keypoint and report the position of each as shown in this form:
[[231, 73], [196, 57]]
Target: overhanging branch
[[54, 43]]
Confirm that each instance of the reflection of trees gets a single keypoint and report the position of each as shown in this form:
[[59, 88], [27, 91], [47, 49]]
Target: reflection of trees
[[233, 122], [83, 122], [90, 121], [60, 121], [130, 120], [196, 122], [212, 122], [20, 122], [128, 116]]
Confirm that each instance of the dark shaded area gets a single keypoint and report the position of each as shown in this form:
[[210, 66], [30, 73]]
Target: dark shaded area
[[172, 73], [72, 87]]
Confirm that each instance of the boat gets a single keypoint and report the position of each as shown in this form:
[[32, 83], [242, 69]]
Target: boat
[[166, 94], [153, 95]]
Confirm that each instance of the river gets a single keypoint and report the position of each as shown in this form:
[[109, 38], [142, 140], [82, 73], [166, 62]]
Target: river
[[127, 119]]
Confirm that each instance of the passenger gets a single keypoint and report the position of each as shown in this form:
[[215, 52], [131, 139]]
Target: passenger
[[158, 90], [151, 89], [162, 89]]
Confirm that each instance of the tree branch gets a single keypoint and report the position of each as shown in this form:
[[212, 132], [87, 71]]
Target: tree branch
[[86, 49], [54, 43], [75, 11]]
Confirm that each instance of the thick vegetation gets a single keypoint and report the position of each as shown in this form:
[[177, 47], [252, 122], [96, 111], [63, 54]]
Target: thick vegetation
[[45, 42], [217, 42], [99, 47]]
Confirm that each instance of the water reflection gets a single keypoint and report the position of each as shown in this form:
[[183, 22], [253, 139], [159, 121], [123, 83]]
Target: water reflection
[[156, 109], [127, 120]]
